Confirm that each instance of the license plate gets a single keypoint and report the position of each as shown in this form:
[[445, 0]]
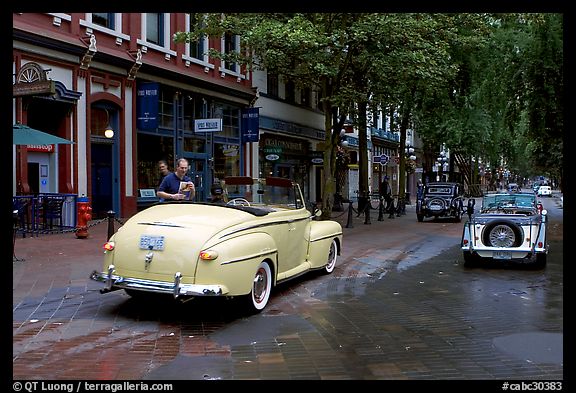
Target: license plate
[[435, 207], [152, 242], [502, 255]]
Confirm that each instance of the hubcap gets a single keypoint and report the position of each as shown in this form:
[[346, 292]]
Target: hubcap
[[260, 285], [502, 236]]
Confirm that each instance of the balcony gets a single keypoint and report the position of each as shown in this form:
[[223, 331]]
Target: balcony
[[386, 135]]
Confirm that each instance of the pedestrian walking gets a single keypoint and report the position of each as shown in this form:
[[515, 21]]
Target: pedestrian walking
[[386, 193]]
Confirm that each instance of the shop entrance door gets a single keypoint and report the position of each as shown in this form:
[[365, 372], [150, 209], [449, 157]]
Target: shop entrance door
[[197, 172], [102, 181]]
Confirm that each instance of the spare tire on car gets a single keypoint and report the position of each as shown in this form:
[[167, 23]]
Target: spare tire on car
[[502, 233]]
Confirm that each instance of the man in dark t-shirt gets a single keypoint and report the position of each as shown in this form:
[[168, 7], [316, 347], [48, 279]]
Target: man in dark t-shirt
[[177, 185]]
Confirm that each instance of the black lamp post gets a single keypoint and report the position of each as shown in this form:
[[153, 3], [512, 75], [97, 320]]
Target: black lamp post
[[440, 162], [409, 154]]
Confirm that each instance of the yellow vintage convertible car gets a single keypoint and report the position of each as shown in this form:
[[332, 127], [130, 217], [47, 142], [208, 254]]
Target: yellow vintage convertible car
[[260, 235]]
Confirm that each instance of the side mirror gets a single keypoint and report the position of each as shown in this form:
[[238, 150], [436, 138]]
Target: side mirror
[[317, 212]]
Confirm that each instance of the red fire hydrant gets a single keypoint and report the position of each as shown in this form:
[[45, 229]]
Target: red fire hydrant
[[84, 215]]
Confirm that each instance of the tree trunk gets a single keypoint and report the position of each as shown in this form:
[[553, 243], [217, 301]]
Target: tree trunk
[[363, 187]]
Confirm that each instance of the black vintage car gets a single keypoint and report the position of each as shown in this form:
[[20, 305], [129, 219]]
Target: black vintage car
[[440, 199]]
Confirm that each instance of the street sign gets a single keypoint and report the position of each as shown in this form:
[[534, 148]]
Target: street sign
[[382, 160]]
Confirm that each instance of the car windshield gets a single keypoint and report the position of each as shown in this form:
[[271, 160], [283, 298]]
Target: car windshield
[[507, 201], [271, 191]]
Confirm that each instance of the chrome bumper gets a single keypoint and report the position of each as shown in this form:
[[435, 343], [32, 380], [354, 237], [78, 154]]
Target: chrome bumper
[[516, 252], [113, 282]]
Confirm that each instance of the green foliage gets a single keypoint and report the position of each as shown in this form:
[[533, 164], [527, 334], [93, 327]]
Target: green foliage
[[490, 86]]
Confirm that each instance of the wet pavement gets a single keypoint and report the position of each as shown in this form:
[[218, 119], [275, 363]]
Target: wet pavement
[[399, 306]]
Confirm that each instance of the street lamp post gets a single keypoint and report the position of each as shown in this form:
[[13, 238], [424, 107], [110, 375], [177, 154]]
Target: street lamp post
[[440, 162], [409, 154]]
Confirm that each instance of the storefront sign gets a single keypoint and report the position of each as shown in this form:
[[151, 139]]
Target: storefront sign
[[285, 145], [273, 150], [34, 88], [208, 125], [147, 106], [290, 128], [317, 157], [250, 125], [41, 148]]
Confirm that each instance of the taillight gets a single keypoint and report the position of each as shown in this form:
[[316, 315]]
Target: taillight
[[465, 241], [540, 244], [208, 255], [108, 246]]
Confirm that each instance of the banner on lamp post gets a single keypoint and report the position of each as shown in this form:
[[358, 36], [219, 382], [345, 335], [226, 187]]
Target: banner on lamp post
[[250, 125]]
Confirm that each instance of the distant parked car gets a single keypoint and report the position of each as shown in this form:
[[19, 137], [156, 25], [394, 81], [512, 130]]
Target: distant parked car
[[440, 199], [544, 191], [536, 186], [508, 227]]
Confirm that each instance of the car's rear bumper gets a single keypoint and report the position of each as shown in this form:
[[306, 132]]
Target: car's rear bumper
[[514, 252], [176, 288]]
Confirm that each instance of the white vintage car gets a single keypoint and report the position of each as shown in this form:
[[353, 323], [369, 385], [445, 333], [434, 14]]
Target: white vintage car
[[261, 234], [508, 227]]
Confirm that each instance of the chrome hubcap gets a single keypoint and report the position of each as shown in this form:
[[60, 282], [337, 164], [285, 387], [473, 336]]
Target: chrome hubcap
[[502, 236], [260, 285]]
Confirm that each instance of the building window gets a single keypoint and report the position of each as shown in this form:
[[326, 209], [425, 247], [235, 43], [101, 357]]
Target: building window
[[230, 121], [231, 45], [272, 84], [99, 121], [151, 149], [166, 110], [155, 28], [319, 103], [197, 49], [290, 92], [192, 107], [305, 95], [104, 19]]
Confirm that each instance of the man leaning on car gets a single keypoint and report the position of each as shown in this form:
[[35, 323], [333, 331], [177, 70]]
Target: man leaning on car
[[177, 185]]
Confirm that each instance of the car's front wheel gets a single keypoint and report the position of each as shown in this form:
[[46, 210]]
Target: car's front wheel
[[259, 295], [332, 256]]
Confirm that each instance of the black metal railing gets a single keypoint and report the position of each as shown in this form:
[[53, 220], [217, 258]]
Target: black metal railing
[[44, 212]]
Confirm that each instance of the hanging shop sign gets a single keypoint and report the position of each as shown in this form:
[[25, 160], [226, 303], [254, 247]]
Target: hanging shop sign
[[147, 105], [317, 157], [272, 153], [250, 125]]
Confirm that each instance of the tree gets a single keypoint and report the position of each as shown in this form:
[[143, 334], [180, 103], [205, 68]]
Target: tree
[[308, 49]]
